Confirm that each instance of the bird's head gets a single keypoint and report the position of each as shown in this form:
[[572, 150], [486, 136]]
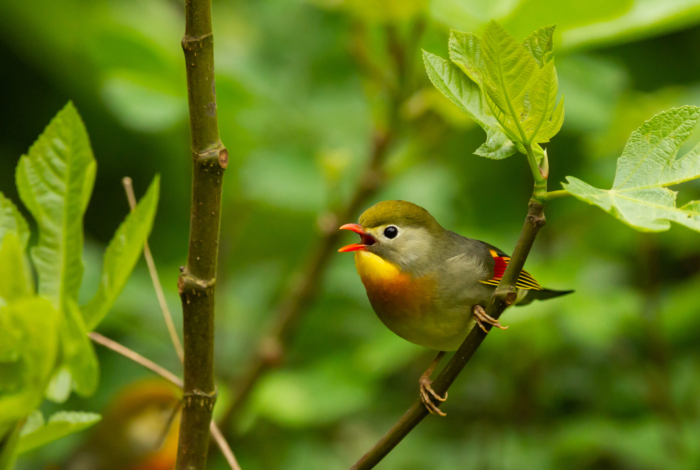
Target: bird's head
[[397, 231]]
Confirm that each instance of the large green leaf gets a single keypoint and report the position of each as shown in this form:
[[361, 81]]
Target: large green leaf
[[14, 272], [34, 322], [37, 433], [466, 94], [12, 221], [121, 256], [521, 95], [55, 181], [639, 196]]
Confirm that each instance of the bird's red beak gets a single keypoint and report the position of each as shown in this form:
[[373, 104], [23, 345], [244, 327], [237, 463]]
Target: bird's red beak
[[366, 238]]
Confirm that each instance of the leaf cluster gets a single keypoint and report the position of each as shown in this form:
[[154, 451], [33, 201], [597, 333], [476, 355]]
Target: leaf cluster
[[507, 87], [45, 350]]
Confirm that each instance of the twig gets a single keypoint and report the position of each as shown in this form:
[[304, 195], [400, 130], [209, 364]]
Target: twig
[[129, 188], [197, 281], [136, 357], [286, 315], [170, 377]]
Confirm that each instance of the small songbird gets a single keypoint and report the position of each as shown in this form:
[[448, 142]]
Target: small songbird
[[427, 284]]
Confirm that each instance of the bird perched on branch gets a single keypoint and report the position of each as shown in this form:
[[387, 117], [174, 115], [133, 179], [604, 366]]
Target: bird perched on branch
[[427, 284]]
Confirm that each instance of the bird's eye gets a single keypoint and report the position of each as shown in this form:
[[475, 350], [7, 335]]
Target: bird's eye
[[391, 232]]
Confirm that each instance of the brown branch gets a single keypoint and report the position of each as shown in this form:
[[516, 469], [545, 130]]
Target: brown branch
[[197, 280], [170, 377], [167, 317], [504, 296], [286, 315]]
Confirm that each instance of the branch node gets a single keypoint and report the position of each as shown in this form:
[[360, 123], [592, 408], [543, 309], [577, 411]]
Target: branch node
[[223, 158], [198, 398], [196, 43], [189, 284]]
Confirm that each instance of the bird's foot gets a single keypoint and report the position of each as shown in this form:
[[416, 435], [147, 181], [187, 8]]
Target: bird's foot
[[427, 394], [482, 317]]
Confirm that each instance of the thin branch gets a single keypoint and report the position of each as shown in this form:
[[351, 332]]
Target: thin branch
[[170, 377], [167, 317], [270, 349], [136, 357], [197, 282]]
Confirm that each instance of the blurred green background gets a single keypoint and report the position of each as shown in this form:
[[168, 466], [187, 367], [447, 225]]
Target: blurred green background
[[608, 378]]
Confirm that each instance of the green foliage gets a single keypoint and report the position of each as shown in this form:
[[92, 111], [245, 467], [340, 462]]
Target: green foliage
[[639, 196], [44, 345], [508, 88], [36, 432], [55, 181], [121, 256], [8, 446]]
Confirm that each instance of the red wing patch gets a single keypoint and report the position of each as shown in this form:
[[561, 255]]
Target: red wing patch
[[525, 281]]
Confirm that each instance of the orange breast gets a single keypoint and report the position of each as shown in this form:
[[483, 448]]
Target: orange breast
[[393, 294]]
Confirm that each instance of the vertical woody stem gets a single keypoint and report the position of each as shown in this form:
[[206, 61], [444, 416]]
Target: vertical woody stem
[[197, 280]]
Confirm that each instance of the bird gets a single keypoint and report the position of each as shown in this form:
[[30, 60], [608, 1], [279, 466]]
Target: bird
[[430, 285]]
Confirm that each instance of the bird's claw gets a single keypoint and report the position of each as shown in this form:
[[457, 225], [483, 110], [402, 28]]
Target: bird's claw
[[481, 316], [427, 394]]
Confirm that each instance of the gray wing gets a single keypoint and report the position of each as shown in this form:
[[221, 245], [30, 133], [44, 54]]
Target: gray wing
[[465, 263]]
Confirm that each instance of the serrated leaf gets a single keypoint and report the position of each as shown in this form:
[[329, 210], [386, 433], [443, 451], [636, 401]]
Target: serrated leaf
[[648, 164], [59, 425], [466, 94], [522, 97], [78, 353], [12, 221], [539, 44], [121, 256], [55, 181], [36, 322], [465, 52], [14, 272]]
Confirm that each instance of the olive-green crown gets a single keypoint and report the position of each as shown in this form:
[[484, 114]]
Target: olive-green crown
[[401, 213]]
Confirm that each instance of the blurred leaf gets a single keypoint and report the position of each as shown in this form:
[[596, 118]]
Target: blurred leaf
[[369, 10], [466, 94], [521, 95], [61, 383], [14, 272], [143, 102], [12, 221], [648, 164], [36, 321], [8, 447], [59, 425], [78, 353], [644, 18], [121, 256], [319, 395], [55, 182]]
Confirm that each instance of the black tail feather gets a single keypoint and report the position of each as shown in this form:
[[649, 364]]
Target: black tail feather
[[543, 294]]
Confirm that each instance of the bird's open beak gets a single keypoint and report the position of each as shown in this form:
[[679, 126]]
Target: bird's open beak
[[365, 238]]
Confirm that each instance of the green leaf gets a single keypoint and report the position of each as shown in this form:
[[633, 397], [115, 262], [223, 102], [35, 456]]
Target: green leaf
[[121, 256], [12, 221], [55, 181], [8, 447], [648, 164], [465, 52], [539, 44], [14, 272], [466, 94], [61, 424], [78, 353], [521, 96], [34, 322]]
